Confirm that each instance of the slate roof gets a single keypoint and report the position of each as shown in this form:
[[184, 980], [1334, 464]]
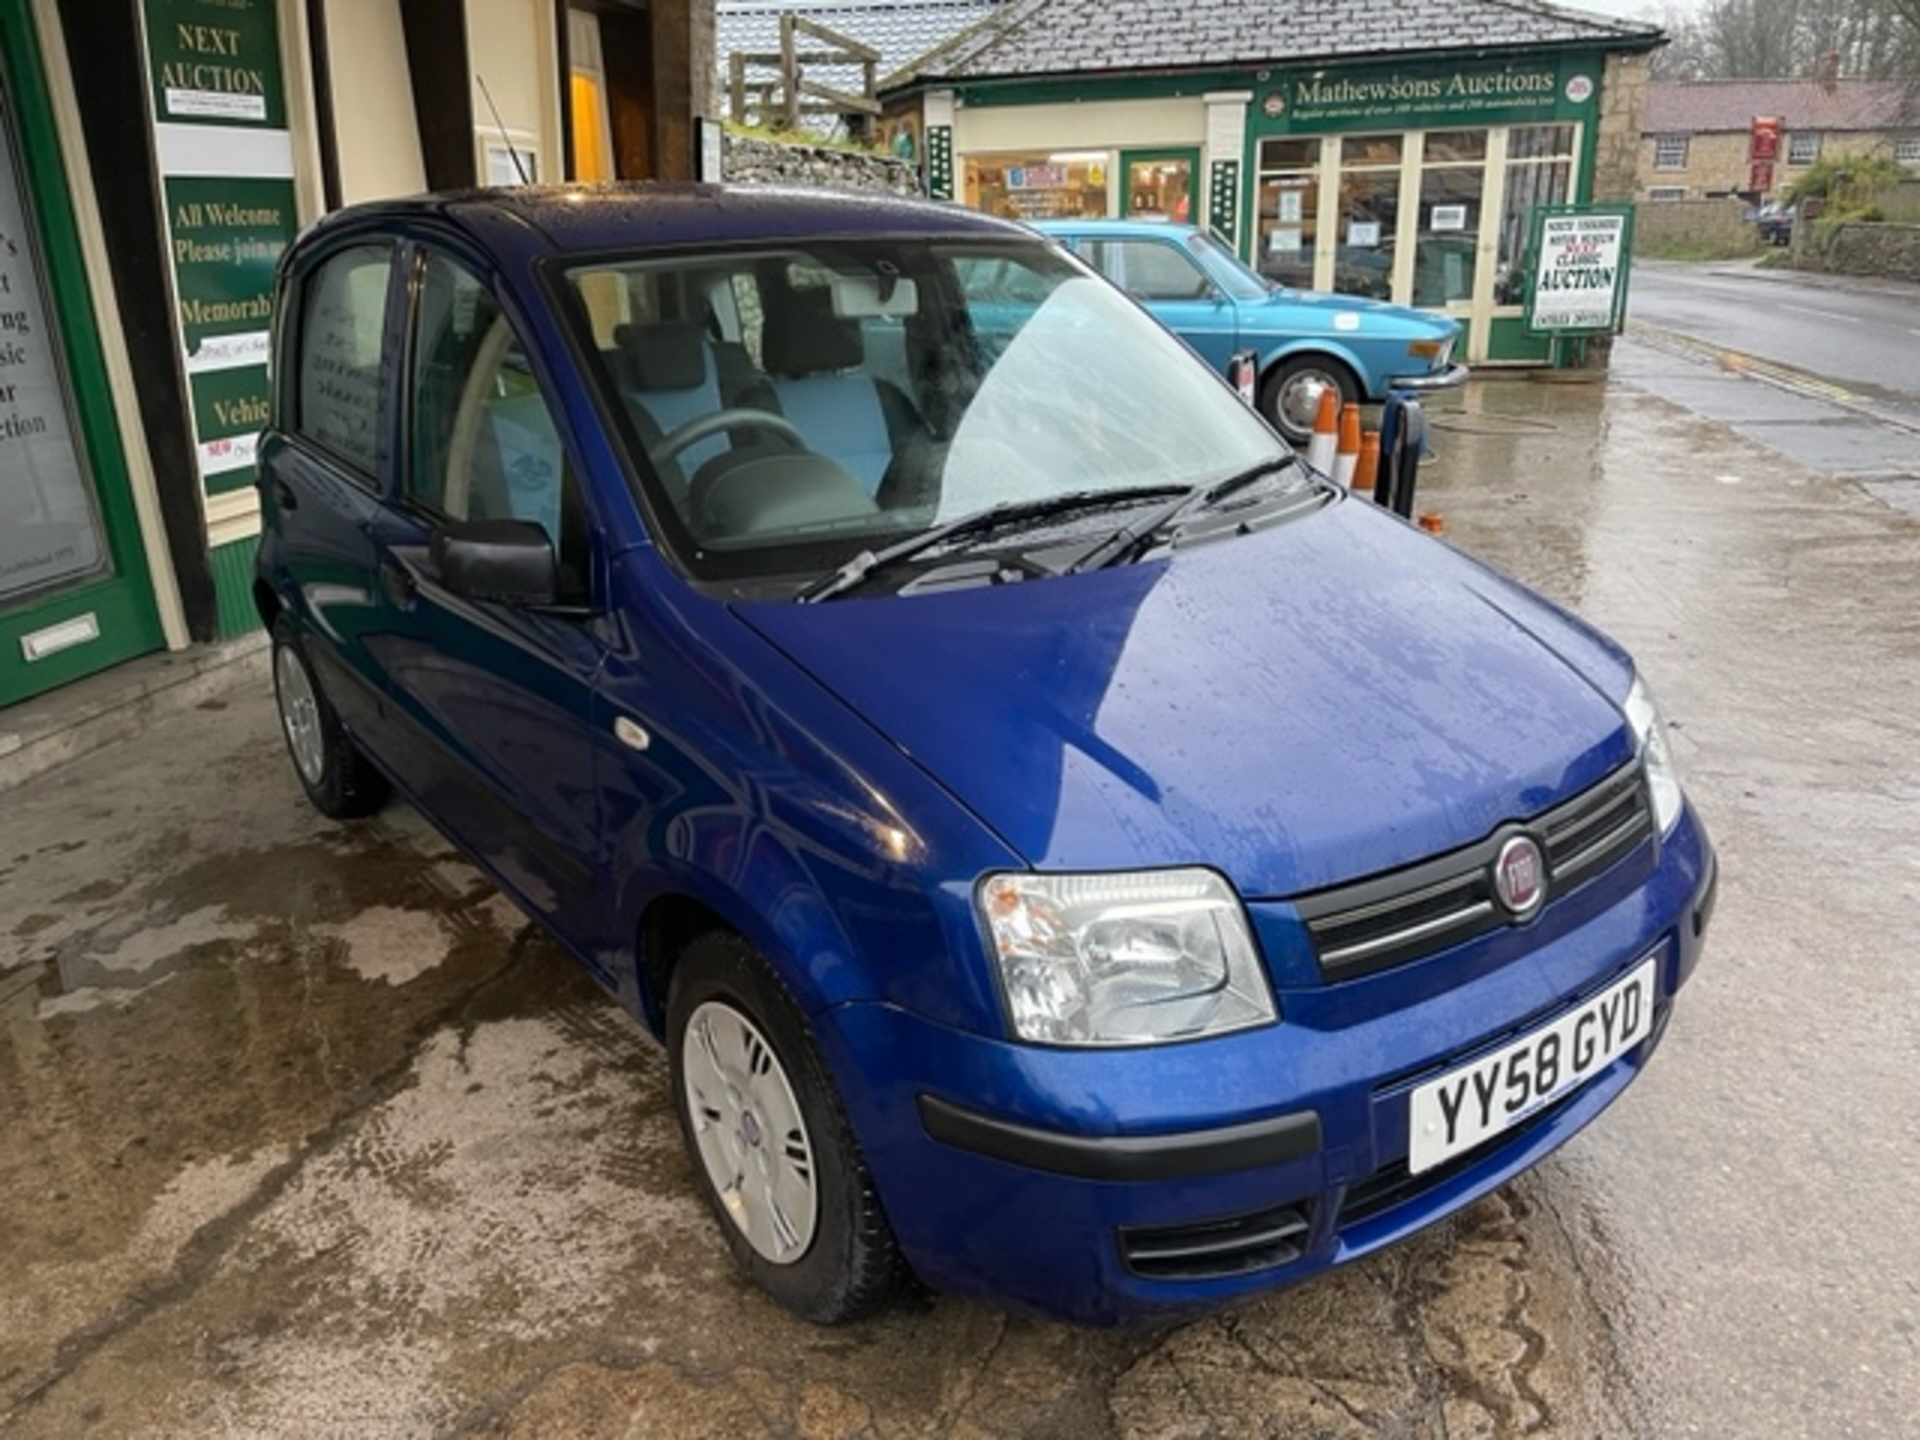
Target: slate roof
[[899, 29], [1699, 106], [1028, 38]]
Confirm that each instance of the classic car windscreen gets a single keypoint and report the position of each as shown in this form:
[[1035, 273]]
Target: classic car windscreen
[[789, 406]]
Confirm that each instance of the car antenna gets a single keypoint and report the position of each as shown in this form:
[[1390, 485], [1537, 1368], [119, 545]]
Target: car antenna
[[513, 153]]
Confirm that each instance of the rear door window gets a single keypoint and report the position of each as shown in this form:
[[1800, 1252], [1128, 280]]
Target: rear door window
[[341, 398]]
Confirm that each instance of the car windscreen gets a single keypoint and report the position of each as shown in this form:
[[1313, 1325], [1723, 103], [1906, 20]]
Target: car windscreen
[[787, 407]]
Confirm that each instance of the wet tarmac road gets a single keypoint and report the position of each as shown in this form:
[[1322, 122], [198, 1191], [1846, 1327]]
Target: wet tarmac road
[[308, 1133]]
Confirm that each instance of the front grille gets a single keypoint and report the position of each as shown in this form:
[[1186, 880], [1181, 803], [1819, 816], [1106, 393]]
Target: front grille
[[1213, 1248], [1392, 919]]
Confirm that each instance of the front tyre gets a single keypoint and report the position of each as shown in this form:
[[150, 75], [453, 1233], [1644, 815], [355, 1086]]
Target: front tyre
[[1290, 396], [338, 779], [771, 1149]]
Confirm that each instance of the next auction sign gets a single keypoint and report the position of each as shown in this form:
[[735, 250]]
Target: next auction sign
[[226, 163], [1581, 257]]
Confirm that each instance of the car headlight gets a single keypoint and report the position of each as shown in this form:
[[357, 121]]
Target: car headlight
[[1650, 732], [1123, 959]]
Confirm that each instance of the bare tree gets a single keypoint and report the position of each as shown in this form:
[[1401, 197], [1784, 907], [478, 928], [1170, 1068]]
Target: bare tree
[[1779, 39]]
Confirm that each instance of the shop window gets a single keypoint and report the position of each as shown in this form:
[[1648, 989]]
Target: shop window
[[1446, 242], [1803, 147], [1289, 210], [1670, 152], [339, 365], [1369, 215], [1160, 189], [1539, 172], [1061, 185], [50, 531]]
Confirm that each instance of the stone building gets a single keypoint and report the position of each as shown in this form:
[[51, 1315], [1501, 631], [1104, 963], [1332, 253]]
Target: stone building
[[1710, 139]]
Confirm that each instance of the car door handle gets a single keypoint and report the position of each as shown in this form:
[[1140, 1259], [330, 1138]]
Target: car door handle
[[284, 497], [400, 585]]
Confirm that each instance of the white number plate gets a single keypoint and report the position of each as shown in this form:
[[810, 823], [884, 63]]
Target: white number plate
[[1451, 1115]]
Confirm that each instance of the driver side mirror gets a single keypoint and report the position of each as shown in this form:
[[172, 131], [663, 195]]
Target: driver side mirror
[[508, 561]]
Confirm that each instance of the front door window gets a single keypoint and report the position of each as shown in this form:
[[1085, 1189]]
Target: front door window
[[50, 533], [485, 446]]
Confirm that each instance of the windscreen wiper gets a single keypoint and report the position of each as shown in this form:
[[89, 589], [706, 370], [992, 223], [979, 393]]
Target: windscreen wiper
[[868, 562], [1125, 541]]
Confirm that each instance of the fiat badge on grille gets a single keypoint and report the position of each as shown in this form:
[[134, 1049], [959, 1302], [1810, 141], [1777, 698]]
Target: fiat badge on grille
[[1520, 877]]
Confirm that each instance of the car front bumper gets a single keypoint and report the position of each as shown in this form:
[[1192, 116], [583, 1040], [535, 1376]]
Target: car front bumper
[[1455, 374], [1113, 1185]]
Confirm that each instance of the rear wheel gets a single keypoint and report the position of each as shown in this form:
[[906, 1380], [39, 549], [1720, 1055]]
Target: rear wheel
[[1291, 395], [770, 1145], [338, 779]]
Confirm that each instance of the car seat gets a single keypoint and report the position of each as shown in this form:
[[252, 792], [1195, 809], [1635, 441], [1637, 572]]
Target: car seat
[[668, 376], [814, 363]]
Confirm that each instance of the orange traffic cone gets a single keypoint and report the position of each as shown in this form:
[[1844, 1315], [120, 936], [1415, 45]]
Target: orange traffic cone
[[1346, 455], [1326, 431], [1366, 473]]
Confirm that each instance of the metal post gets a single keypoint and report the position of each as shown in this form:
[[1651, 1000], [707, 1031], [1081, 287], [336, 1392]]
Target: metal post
[[1403, 443]]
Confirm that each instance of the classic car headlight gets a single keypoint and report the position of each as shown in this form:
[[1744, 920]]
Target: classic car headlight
[[1651, 733], [1126, 959]]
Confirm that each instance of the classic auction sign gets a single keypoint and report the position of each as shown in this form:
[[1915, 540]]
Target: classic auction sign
[[226, 162], [1580, 268]]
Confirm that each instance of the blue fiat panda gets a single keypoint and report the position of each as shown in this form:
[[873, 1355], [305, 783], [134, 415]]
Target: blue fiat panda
[[937, 708]]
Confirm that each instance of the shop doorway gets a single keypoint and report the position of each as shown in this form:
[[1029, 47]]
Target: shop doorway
[[74, 590], [1158, 184]]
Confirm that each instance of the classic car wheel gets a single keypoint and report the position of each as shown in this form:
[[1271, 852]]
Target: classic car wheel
[[1291, 393], [770, 1145], [338, 779]]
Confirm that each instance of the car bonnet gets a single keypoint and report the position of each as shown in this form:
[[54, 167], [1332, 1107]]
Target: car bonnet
[[1332, 698], [1323, 312]]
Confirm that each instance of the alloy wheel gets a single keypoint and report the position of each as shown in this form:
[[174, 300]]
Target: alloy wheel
[[751, 1137]]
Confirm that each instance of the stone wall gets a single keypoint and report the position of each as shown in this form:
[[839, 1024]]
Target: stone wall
[[1711, 228], [1901, 204], [754, 161], [1857, 247], [1616, 151]]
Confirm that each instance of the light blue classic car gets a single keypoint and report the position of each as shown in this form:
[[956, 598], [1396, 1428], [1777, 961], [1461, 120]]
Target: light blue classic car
[[1305, 339]]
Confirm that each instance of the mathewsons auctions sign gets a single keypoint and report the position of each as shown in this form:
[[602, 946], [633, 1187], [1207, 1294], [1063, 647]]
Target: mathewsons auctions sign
[[1423, 95], [226, 164], [1580, 268]]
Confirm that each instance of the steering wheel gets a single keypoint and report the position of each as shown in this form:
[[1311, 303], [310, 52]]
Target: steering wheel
[[737, 417]]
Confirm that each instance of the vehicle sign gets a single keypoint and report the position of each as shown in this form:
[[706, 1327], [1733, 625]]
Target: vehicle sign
[[1451, 1115]]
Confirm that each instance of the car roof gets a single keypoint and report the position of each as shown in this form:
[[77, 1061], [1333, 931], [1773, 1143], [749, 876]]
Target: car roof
[[582, 218], [1097, 226]]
